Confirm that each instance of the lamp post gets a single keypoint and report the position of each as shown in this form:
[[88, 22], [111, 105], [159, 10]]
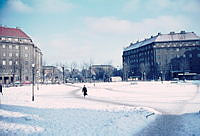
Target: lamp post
[[63, 69], [43, 74], [33, 72]]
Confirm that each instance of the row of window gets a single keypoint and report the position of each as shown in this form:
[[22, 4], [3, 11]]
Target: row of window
[[10, 46], [168, 50], [140, 55], [150, 60], [12, 55], [144, 53], [13, 46], [177, 44], [178, 56], [9, 39], [10, 62], [16, 71]]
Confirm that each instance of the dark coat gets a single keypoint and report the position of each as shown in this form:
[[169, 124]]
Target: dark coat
[[84, 90], [1, 90]]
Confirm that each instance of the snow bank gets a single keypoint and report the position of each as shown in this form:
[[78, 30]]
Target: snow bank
[[111, 109], [61, 110], [79, 122]]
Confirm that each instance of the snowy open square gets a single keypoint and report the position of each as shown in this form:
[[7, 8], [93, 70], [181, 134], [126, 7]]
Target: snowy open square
[[110, 109]]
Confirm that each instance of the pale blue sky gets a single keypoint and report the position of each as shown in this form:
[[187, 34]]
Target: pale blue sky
[[83, 30]]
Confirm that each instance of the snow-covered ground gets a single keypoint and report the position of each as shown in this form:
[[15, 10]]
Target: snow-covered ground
[[110, 109]]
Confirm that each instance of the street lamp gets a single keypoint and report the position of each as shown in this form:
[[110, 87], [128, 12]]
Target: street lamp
[[63, 69], [33, 69], [43, 74]]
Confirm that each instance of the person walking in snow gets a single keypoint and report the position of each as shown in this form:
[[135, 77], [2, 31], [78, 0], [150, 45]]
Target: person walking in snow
[[84, 90], [1, 89]]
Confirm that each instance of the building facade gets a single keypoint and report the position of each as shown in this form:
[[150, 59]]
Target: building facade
[[52, 74], [19, 56], [164, 56], [102, 72]]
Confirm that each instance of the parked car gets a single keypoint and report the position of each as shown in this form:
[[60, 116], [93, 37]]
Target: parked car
[[17, 83]]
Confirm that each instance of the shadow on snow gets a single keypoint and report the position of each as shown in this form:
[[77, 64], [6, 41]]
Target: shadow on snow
[[187, 124]]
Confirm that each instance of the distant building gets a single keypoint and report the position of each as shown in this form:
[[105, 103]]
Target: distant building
[[102, 72], [51, 74], [164, 56], [18, 53]]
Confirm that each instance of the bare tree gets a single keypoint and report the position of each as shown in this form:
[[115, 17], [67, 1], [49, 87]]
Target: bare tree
[[144, 69], [73, 66], [85, 70], [91, 63], [126, 69]]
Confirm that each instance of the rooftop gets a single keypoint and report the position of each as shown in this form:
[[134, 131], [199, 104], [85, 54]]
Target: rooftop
[[172, 36], [12, 32]]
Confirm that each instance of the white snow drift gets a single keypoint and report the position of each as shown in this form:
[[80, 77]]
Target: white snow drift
[[110, 109]]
